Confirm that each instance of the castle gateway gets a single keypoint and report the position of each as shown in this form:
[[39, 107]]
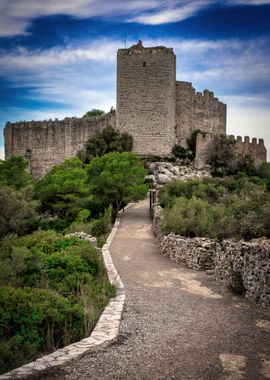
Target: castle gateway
[[152, 106]]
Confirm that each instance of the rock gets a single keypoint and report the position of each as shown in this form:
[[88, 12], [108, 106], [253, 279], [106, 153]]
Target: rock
[[163, 178]]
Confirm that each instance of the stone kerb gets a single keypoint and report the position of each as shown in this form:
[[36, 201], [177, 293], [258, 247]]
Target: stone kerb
[[104, 334], [236, 264]]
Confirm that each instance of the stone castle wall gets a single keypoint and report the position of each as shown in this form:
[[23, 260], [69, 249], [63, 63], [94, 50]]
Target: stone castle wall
[[196, 110], [146, 98], [46, 143], [253, 148], [152, 106]]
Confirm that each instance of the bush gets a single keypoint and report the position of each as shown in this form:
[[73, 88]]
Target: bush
[[18, 211], [36, 320], [52, 291], [217, 208], [13, 172], [180, 152], [190, 217]]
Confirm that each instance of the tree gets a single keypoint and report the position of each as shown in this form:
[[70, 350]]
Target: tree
[[62, 191], [116, 178], [105, 141], [17, 212], [223, 158], [13, 172], [94, 112]]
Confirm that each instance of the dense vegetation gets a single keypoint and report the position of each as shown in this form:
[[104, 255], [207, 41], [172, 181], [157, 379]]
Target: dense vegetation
[[53, 288], [217, 208]]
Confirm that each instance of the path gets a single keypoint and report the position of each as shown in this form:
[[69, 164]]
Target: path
[[177, 324]]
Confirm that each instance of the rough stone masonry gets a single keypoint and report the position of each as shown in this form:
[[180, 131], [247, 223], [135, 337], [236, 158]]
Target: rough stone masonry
[[155, 108]]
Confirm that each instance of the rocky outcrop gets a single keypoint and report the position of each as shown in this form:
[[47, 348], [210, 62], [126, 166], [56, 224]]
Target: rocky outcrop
[[162, 172], [84, 236], [242, 266]]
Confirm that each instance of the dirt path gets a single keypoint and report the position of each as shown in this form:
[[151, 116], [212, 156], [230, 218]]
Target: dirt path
[[177, 324]]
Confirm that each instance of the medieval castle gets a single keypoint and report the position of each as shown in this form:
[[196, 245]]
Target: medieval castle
[[152, 106]]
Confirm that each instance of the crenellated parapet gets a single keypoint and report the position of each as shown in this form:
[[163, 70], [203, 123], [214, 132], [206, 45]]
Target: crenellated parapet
[[197, 110], [49, 142], [253, 147], [242, 147]]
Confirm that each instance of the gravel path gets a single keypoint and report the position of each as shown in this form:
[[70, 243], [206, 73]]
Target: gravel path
[[177, 324]]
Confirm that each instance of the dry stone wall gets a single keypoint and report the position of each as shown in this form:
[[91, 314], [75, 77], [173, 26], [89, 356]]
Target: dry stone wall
[[46, 143], [228, 261]]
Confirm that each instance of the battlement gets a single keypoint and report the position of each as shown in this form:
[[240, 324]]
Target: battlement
[[152, 106], [140, 49], [253, 147], [197, 110], [247, 140]]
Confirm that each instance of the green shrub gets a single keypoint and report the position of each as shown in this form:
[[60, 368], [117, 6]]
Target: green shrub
[[190, 217], [35, 321], [52, 291], [18, 211], [217, 208], [180, 152], [13, 172]]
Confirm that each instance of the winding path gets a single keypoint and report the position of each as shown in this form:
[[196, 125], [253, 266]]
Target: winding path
[[177, 324]]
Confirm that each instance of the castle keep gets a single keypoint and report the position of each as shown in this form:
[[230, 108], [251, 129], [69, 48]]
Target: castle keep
[[156, 109], [151, 105]]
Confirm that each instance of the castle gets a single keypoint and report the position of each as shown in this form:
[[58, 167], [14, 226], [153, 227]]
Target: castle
[[155, 108]]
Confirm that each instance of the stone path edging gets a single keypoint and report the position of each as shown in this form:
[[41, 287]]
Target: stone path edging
[[104, 334]]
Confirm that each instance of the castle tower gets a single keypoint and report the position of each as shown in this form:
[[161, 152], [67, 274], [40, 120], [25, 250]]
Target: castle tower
[[145, 108]]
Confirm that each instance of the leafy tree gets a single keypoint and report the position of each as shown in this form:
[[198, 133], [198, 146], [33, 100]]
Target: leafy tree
[[222, 158], [116, 178], [13, 172], [105, 141], [264, 173], [18, 211], [63, 191], [94, 112]]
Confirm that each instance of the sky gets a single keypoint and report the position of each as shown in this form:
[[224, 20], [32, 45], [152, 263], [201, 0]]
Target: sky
[[58, 58]]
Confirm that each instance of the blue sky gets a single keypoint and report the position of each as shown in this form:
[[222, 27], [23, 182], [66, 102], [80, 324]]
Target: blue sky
[[58, 58]]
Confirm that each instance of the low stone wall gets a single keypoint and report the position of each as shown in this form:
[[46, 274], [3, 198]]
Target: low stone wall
[[242, 266], [248, 262]]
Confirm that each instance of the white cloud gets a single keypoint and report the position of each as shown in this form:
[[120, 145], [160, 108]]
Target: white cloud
[[16, 15], [80, 78], [171, 14], [2, 153]]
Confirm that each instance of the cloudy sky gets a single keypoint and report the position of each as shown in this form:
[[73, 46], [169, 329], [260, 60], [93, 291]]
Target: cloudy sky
[[58, 57]]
